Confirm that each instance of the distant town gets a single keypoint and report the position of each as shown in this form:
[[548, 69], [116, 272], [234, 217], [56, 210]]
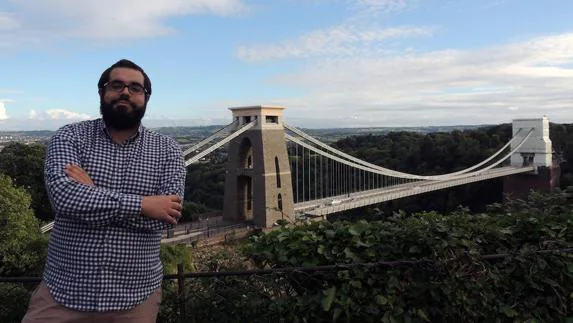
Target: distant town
[[24, 137]]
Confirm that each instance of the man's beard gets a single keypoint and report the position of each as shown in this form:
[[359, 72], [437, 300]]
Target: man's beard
[[119, 118]]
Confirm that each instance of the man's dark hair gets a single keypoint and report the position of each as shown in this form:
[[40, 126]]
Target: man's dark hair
[[125, 63]]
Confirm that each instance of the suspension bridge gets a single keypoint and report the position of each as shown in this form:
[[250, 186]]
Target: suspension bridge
[[276, 171]]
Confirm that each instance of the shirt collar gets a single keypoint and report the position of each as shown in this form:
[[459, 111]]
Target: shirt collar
[[105, 131]]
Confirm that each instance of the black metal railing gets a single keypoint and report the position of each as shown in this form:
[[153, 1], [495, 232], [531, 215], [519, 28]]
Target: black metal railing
[[267, 295]]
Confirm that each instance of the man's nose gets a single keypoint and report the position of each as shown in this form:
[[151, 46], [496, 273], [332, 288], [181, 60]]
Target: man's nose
[[125, 90]]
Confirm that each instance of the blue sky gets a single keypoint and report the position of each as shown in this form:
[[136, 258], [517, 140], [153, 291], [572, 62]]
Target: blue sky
[[331, 63]]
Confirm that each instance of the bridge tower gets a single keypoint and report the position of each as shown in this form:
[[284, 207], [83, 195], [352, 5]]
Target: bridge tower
[[536, 151], [258, 184]]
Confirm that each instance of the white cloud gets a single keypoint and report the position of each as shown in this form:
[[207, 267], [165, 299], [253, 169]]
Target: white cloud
[[494, 84], [57, 114], [8, 22], [3, 112], [103, 19], [343, 40], [494, 4], [360, 33], [374, 7], [10, 91]]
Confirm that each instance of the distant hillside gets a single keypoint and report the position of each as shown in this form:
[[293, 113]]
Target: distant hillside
[[334, 134]]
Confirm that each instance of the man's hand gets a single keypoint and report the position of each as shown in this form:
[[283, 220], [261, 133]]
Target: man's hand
[[77, 173], [165, 208]]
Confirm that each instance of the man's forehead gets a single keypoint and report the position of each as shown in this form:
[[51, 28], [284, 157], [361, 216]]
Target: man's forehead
[[126, 74]]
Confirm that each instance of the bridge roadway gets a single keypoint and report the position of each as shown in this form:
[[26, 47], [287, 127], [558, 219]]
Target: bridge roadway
[[333, 204]]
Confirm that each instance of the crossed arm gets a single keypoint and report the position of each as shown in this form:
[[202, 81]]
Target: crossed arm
[[74, 194], [166, 208]]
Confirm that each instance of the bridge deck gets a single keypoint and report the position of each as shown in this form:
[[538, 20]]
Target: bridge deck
[[359, 199]]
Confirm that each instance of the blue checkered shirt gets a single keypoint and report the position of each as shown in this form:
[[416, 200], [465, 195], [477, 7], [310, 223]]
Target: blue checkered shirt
[[103, 255]]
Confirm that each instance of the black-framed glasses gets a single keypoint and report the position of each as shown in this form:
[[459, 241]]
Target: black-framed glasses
[[118, 86]]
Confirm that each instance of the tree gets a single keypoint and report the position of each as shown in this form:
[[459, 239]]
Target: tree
[[25, 165], [22, 248], [191, 211], [22, 245]]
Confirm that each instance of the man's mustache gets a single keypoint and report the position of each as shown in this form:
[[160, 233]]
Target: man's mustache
[[124, 99]]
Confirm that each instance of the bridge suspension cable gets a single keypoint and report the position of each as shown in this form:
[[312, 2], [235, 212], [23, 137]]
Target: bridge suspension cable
[[385, 171], [215, 135], [390, 172], [333, 176], [220, 143], [501, 159]]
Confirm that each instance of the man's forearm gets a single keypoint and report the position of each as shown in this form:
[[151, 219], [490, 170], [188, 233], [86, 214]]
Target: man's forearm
[[173, 184], [93, 205]]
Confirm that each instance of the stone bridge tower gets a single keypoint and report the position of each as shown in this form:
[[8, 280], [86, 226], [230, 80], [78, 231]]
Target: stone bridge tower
[[536, 151], [258, 184]]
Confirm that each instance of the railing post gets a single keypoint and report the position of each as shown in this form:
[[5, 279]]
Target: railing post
[[181, 290]]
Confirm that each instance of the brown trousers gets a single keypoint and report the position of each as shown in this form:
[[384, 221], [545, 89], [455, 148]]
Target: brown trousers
[[44, 309]]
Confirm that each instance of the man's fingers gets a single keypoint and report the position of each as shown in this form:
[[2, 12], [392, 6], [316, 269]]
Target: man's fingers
[[76, 169], [73, 173], [173, 216], [176, 206], [175, 198], [79, 174], [170, 220], [174, 213], [73, 167]]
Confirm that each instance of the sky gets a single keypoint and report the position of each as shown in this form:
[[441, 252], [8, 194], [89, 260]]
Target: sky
[[330, 63]]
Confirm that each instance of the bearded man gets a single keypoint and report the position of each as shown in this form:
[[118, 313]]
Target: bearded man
[[114, 187]]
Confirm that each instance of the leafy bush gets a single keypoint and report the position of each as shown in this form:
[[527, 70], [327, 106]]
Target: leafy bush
[[171, 255], [22, 246], [14, 301], [191, 211], [456, 284]]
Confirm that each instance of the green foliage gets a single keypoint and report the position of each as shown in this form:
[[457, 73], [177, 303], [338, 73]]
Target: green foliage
[[171, 255], [192, 211], [282, 222], [22, 246], [429, 154], [25, 165], [205, 184], [208, 299], [14, 301], [456, 285]]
